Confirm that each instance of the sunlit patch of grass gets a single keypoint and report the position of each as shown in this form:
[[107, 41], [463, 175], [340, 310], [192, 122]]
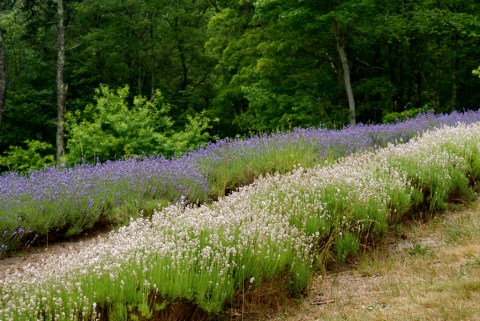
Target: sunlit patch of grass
[[369, 264], [475, 263], [458, 232], [418, 250]]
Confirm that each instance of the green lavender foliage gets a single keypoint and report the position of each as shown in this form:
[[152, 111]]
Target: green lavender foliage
[[286, 224]]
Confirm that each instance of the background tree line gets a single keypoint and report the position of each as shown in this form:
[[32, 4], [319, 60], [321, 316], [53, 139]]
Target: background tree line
[[250, 65]]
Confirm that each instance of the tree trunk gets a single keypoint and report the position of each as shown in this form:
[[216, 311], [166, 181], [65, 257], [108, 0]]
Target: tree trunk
[[183, 62], [3, 78], [346, 73], [152, 63], [453, 101], [61, 87]]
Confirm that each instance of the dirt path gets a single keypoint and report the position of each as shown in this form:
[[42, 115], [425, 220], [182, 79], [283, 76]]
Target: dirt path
[[39, 255]]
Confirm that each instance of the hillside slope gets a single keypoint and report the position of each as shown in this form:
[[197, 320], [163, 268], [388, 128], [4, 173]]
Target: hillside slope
[[432, 272]]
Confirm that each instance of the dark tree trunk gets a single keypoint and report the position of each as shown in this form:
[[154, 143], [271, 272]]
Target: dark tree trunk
[[61, 87], [453, 101], [3, 79], [340, 42], [183, 62]]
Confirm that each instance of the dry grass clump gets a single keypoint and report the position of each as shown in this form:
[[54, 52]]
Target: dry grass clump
[[262, 302]]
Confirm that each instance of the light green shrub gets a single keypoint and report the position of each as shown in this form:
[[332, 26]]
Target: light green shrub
[[112, 128], [36, 155]]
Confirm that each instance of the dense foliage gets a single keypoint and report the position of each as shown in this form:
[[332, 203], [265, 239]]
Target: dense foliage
[[257, 66], [111, 129], [134, 90]]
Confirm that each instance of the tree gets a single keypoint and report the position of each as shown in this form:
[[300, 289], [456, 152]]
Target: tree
[[61, 87], [3, 78], [340, 42], [233, 50], [3, 64], [270, 71], [287, 57], [299, 63], [34, 12], [168, 38], [28, 113]]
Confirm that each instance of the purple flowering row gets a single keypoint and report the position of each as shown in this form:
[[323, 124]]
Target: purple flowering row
[[67, 201], [310, 146]]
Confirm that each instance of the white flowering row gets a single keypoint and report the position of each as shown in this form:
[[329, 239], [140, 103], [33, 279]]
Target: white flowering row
[[279, 224]]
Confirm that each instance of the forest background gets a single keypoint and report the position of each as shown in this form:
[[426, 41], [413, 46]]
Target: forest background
[[92, 80]]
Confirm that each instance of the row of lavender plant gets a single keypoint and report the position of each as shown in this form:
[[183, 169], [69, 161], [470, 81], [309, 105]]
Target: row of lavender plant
[[68, 201], [230, 163], [281, 224]]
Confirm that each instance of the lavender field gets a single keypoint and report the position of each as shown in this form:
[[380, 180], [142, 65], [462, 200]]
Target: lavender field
[[281, 226], [64, 202]]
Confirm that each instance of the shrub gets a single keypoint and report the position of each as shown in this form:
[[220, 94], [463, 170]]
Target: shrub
[[36, 155], [112, 129], [406, 114], [276, 226]]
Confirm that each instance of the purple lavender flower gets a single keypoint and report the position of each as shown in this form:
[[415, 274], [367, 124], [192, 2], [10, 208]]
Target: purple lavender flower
[[59, 199]]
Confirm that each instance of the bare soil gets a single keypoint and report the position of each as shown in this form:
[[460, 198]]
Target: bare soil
[[39, 254]]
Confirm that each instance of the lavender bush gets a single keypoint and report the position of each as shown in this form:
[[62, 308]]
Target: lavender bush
[[230, 163], [282, 224], [69, 200]]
